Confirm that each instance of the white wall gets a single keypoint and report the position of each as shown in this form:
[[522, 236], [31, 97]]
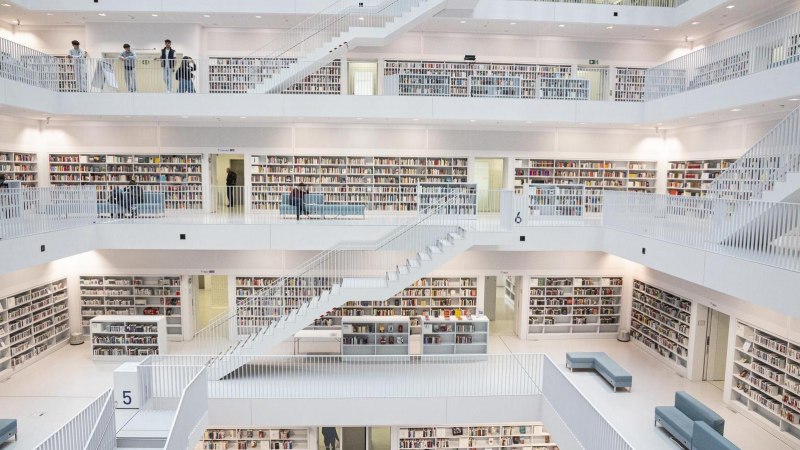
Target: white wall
[[725, 140], [54, 40], [109, 37]]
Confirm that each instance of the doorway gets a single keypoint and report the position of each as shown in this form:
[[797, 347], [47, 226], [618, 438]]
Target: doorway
[[500, 304], [489, 178], [210, 298], [224, 198], [716, 351], [362, 78], [598, 81], [149, 74]]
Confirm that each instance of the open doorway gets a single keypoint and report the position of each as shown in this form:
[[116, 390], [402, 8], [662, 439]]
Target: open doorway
[[149, 74], [227, 198], [362, 77], [499, 304], [489, 178], [210, 298], [598, 81], [716, 349]]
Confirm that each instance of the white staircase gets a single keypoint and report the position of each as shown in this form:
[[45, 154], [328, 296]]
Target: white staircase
[[329, 34]]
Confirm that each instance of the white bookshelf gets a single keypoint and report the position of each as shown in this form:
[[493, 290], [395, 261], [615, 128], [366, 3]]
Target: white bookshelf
[[411, 84], [725, 69], [455, 335], [692, 178], [629, 84], [571, 305], [664, 82], [379, 183], [563, 88], [232, 75], [524, 436], [375, 335], [180, 176], [430, 296], [495, 86], [434, 195], [133, 295], [661, 322], [234, 438], [19, 166], [33, 322], [122, 338], [556, 199], [766, 378]]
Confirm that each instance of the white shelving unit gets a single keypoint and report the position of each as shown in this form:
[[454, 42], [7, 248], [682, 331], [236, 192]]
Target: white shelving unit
[[410, 84], [662, 323], [133, 295], [692, 178], [20, 166], [664, 82], [574, 305], [556, 199], [766, 378], [180, 176], [524, 436], [455, 335], [375, 335], [234, 75], [432, 195], [629, 84], [258, 438], [563, 88], [128, 337], [495, 86], [725, 69], [33, 322]]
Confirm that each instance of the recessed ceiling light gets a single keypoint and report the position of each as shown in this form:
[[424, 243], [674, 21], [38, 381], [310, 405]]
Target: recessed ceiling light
[[5, 4], [416, 120], [472, 120], [582, 123], [561, 25], [513, 23], [656, 29], [731, 6], [695, 23], [463, 21], [693, 117], [243, 117], [610, 27], [184, 117], [529, 122], [154, 15], [359, 118], [794, 99], [258, 17], [206, 16], [736, 109], [101, 14], [49, 14], [360, 18]]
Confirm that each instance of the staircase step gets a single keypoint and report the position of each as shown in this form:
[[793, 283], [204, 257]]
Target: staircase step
[[392, 276], [456, 236], [445, 243], [412, 263], [424, 256], [402, 270], [363, 283], [434, 249]]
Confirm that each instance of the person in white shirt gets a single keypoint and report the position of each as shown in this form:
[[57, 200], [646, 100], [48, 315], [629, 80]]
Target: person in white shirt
[[128, 59], [78, 57]]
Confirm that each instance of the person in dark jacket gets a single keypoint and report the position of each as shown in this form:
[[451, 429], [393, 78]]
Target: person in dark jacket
[[230, 186], [330, 437], [184, 75], [167, 63], [134, 197], [297, 197]]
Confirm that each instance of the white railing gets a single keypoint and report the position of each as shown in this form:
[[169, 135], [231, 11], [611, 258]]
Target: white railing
[[25, 65], [162, 387], [655, 3], [771, 45], [757, 231], [769, 161], [29, 211], [585, 422], [92, 429], [191, 415]]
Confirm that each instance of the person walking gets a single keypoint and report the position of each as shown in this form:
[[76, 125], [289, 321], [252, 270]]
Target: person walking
[[298, 198], [128, 59], [167, 64], [78, 57], [184, 75], [230, 186]]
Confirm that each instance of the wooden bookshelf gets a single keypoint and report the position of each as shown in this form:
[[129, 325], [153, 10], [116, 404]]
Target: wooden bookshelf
[[692, 178], [525, 436], [123, 338], [179, 175], [132, 295], [455, 335], [379, 183], [234, 438], [20, 166], [574, 305], [629, 84], [766, 378], [661, 322], [375, 335], [33, 322]]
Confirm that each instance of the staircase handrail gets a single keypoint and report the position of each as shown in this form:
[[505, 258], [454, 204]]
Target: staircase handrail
[[316, 261], [767, 162]]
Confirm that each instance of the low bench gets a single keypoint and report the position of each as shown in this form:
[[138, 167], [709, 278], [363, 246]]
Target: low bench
[[8, 428], [693, 424], [602, 364]]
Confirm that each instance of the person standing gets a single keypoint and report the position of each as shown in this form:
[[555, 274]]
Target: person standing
[[128, 59], [184, 75], [330, 437], [298, 198], [78, 57], [230, 186], [167, 64]]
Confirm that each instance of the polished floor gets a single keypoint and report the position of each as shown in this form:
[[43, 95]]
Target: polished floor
[[47, 394]]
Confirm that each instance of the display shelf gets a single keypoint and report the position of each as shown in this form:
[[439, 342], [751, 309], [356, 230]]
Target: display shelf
[[410, 84], [629, 84], [178, 175], [664, 82], [596, 175], [556, 199], [431, 296], [457, 334], [766, 378], [574, 305], [661, 322], [496, 86], [524, 436], [119, 337], [563, 88], [32, 322], [256, 438], [20, 166], [133, 295], [725, 69], [433, 195], [233, 75], [692, 178], [378, 183], [375, 335]]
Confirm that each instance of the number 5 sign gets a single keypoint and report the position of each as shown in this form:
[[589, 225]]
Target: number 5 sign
[[126, 387]]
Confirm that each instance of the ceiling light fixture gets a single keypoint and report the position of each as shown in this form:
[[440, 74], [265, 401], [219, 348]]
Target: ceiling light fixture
[[695, 23], [656, 29], [794, 99], [736, 109], [472, 120], [561, 25], [154, 15], [359, 118], [101, 14], [731, 6], [513, 23], [258, 17], [184, 117], [416, 120], [463, 21], [360, 18], [206, 16], [610, 27], [243, 117], [5, 4]]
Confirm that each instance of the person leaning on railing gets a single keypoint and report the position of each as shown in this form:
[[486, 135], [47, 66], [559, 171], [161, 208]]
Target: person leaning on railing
[[184, 75], [167, 64], [78, 57], [128, 59]]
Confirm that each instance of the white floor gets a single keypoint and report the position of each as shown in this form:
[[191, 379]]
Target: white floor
[[47, 394]]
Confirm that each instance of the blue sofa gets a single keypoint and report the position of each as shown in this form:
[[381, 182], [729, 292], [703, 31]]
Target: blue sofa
[[150, 205], [681, 421], [8, 428], [315, 206], [603, 365]]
